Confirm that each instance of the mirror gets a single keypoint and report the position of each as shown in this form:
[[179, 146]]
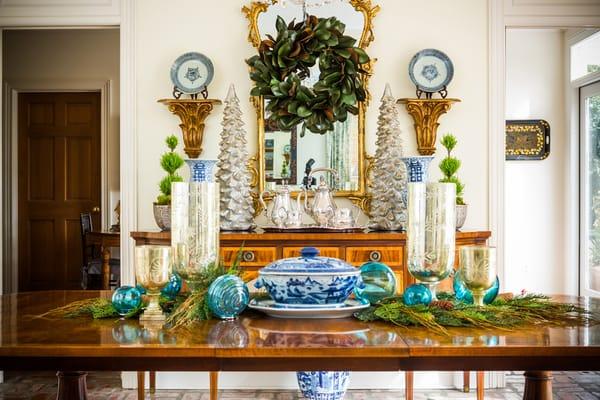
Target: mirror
[[288, 156]]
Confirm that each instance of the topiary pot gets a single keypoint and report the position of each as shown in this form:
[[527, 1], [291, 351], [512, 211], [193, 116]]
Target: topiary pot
[[461, 215], [162, 216]]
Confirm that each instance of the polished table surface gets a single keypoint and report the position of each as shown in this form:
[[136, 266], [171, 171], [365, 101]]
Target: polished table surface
[[255, 342]]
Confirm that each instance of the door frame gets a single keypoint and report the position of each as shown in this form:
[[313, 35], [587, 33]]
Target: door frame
[[116, 13], [10, 129], [585, 82]]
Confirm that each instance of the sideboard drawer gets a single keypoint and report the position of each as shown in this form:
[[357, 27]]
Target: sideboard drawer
[[392, 256], [251, 256], [323, 251]]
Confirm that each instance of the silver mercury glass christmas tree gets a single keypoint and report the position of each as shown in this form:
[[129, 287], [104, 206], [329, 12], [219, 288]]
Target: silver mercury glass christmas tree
[[388, 208], [237, 210]]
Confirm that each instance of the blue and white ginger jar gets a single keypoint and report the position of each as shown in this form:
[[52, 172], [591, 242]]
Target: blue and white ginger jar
[[323, 385], [201, 170], [309, 280]]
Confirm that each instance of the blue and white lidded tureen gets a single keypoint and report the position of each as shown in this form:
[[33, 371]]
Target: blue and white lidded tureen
[[309, 280]]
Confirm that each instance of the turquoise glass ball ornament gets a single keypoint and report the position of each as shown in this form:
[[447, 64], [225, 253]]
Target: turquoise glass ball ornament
[[126, 299], [462, 293], [172, 289], [227, 296], [379, 282], [417, 294], [141, 288]]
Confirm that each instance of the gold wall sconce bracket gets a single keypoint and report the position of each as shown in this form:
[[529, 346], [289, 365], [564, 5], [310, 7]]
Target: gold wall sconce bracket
[[192, 113], [426, 113]]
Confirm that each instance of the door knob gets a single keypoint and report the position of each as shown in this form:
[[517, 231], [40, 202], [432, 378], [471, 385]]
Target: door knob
[[96, 209]]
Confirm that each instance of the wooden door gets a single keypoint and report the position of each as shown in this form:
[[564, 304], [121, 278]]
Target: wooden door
[[59, 178]]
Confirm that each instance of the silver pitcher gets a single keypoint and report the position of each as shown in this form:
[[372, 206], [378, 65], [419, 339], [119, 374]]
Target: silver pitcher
[[323, 208], [283, 213]]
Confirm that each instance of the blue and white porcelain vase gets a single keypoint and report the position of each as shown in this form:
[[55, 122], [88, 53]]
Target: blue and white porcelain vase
[[201, 170], [323, 385], [417, 167]]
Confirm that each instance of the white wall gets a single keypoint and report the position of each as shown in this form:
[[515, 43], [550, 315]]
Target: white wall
[[219, 30], [65, 56], [536, 190]]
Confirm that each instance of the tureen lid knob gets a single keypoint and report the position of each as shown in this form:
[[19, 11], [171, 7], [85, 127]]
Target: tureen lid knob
[[309, 252]]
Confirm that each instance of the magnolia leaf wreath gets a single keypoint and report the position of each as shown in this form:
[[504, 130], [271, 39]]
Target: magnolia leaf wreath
[[282, 64]]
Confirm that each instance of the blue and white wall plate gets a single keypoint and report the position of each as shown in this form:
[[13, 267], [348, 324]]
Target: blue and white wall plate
[[430, 70], [192, 72]]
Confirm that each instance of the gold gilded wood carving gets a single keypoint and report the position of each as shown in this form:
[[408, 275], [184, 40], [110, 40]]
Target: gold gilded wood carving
[[360, 196], [192, 114], [426, 113]]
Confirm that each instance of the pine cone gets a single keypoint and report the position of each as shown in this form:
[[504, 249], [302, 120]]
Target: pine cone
[[443, 304]]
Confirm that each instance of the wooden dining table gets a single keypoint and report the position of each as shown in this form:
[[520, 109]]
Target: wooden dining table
[[105, 240], [255, 342]]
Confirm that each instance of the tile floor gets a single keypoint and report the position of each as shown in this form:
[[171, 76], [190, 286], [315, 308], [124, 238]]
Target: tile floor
[[105, 386]]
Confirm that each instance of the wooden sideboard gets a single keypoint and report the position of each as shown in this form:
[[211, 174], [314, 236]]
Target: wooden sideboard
[[261, 248]]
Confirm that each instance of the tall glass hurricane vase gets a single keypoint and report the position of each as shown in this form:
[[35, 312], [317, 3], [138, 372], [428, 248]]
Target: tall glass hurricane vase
[[194, 228], [431, 232]]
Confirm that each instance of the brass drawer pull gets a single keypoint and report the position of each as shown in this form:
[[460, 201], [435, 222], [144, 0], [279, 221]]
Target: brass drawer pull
[[375, 255], [248, 256]]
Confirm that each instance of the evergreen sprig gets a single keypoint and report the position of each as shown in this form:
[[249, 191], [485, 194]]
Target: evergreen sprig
[[195, 306], [529, 309], [96, 308]]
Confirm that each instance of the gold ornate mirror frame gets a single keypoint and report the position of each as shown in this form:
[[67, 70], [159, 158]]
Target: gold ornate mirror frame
[[256, 164]]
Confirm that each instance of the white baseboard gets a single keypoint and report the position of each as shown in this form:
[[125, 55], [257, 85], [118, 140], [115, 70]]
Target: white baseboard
[[287, 380]]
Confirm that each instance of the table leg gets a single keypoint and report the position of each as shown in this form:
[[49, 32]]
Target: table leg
[[408, 385], [71, 385], [538, 385], [214, 385], [480, 384], [152, 381], [141, 385], [466, 381], [105, 268]]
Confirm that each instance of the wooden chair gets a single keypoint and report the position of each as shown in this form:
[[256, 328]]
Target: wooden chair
[[91, 270], [91, 279], [409, 384]]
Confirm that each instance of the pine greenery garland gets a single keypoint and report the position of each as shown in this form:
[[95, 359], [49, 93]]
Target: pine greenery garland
[[183, 311], [503, 313]]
